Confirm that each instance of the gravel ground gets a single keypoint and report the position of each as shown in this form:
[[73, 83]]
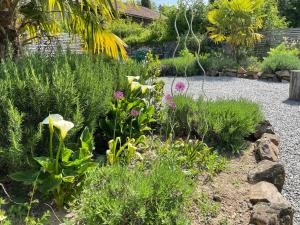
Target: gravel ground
[[282, 113]]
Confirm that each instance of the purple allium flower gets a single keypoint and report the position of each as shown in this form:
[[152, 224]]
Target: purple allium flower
[[167, 98], [172, 105], [118, 95], [134, 113], [180, 86]]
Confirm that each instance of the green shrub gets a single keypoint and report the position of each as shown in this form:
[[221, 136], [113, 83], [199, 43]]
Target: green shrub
[[224, 123], [177, 65], [218, 61], [184, 115], [229, 122], [281, 58], [79, 87], [117, 195]]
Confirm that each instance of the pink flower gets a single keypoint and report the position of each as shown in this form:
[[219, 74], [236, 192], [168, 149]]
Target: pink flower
[[134, 113], [118, 95], [180, 86], [172, 105], [167, 98]]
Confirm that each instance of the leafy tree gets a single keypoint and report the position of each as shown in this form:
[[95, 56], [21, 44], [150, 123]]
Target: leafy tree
[[272, 18], [236, 22], [22, 22], [171, 12], [146, 3], [290, 9]]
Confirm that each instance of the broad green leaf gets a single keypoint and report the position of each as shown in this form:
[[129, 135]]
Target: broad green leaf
[[87, 143], [86, 166], [47, 163], [27, 177], [68, 179], [49, 183], [66, 154]]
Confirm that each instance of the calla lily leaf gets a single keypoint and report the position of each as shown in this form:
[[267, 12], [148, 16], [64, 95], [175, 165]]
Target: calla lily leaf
[[49, 183], [27, 177], [47, 163]]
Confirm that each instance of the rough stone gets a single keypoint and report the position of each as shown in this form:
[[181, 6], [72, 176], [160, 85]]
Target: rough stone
[[267, 75], [269, 171], [272, 214], [266, 149], [266, 192], [264, 127], [272, 137], [283, 75]]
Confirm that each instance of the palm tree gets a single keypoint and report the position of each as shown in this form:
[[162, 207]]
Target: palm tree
[[23, 21]]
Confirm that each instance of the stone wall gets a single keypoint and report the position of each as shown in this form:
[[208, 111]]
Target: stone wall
[[278, 76]]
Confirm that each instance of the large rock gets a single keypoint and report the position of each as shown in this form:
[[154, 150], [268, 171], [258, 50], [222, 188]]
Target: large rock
[[283, 75], [266, 149], [272, 214], [266, 192], [269, 171], [272, 137], [264, 127]]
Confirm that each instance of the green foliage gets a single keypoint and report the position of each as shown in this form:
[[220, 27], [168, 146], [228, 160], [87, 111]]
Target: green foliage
[[290, 9], [123, 153], [236, 22], [78, 86], [218, 61], [59, 175], [197, 157], [229, 122], [272, 18], [281, 58], [121, 121], [176, 66], [225, 123], [117, 195], [161, 30]]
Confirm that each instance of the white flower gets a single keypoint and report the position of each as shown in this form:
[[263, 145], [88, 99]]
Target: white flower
[[132, 78], [146, 88], [64, 127], [59, 122], [55, 118], [135, 86]]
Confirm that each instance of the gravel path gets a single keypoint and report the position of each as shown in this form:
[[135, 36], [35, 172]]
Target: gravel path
[[282, 113]]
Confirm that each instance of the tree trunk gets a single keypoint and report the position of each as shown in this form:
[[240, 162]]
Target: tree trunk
[[8, 35], [295, 85]]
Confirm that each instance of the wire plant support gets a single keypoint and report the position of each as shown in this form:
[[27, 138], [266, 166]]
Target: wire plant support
[[189, 6]]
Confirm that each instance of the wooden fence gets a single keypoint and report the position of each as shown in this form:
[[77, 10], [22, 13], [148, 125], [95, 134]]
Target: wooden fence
[[274, 38]]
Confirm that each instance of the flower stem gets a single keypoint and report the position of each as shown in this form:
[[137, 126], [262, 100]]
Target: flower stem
[[61, 145], [51, 143]]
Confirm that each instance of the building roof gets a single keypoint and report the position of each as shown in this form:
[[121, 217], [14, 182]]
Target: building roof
[[138, 11]]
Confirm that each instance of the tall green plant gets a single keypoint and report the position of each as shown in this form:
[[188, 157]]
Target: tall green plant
[[62, 169], [236, 22], [78, 86]]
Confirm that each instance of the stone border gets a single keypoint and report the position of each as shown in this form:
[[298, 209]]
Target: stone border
[[278, 76], [269, 207]]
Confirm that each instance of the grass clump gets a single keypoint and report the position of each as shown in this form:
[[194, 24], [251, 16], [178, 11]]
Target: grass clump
[[224, 123], [118, 195]]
